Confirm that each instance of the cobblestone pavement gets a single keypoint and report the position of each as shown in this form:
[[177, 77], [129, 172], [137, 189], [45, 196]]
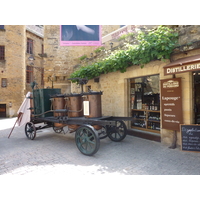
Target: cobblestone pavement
[[56, 154]]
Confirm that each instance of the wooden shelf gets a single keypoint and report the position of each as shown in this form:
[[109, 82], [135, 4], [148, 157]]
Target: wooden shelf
[[158, 111], [146, 122]]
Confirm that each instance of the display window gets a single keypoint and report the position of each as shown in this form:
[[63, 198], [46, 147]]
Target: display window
[[145, 103], [196, 78]]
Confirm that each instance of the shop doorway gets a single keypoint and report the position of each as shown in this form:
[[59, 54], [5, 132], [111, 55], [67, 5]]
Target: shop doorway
[[196, 76], [2, 110]]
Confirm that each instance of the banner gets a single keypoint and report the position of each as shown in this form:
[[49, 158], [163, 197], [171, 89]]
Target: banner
[[80, 35]]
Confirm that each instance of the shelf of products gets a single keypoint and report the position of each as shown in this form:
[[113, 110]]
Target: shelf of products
[[146, 120], [145, 103]]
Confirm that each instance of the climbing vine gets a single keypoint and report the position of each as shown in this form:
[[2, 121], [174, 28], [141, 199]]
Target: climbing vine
[[156, 44]]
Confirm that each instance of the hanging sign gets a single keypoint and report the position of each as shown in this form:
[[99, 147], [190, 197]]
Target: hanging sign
[[171, 103]]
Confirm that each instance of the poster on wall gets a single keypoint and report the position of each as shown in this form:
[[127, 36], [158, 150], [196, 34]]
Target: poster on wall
[[80, 35], [171, 104]]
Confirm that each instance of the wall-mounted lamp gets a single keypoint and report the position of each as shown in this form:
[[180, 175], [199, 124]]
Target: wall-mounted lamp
[[10, 104], [31, 59], [111, 45]]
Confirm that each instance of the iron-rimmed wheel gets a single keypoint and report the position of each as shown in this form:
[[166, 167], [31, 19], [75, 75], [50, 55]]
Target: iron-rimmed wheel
[[57, 129], [87, 140], [30, 130], [118, 132]]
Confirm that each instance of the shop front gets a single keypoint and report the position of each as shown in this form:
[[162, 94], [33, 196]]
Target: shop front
[[141, 93], [191, 67], [145, 103]]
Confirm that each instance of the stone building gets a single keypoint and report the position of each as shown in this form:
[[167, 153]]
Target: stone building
[[149, 116], [61, 60], [136, 93], [17, 44]]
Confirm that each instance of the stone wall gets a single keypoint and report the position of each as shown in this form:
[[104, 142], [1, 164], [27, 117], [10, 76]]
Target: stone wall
[[14, 37], [38, 62], [115, 86], [188, 34], [61, 60], [13, 68]]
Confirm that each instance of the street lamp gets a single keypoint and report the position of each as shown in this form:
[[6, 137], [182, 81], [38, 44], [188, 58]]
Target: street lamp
[[31, 59], [40, 69]]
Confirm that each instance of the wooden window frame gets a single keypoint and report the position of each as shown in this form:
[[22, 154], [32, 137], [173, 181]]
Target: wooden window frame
[[29, 46], [29, 74], [2, 52], [4, 82], [42, 76]]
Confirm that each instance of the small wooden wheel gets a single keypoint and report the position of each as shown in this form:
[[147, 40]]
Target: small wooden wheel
[[30, 130]]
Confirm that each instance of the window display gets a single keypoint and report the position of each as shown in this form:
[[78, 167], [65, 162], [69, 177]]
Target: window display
[[145, 103]]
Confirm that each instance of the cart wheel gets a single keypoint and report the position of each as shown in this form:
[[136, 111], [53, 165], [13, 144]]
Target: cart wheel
[[118, 132], [87, 140], [57, 129], [30, 130], [102, 133]]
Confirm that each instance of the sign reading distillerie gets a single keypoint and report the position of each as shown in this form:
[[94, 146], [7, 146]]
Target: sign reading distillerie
[[181, 69]]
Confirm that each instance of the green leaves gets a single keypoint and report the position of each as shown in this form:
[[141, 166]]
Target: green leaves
[[156, 44]]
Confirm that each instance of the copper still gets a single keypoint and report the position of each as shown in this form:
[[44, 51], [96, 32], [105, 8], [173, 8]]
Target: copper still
[[95, 110], [94, 99], [74, 106], [58, 102]]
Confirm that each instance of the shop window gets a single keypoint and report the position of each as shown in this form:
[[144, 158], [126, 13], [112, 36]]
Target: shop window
[[2, 52], [4, 82], [145, 103], [29, 46], [29, 74]]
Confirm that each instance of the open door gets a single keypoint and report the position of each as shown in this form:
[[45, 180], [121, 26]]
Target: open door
[[2, 110]]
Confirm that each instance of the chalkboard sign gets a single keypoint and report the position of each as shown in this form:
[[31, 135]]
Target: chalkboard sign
[[190, 136]]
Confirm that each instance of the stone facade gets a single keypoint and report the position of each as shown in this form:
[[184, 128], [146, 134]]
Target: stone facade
[[13, 68], [115, 86], [61, 60]]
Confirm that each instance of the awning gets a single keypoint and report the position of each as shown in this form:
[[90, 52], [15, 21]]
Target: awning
[[191, 63]]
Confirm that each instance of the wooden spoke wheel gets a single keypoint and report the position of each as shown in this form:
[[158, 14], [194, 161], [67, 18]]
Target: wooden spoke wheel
[[87, 140], [30, 130], [118, 132]]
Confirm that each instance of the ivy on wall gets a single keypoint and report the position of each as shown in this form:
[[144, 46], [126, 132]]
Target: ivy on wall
[[156, 44]]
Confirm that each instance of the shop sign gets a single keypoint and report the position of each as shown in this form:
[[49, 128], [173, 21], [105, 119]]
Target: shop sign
[[181, 69], [171, 103], [190, 137]]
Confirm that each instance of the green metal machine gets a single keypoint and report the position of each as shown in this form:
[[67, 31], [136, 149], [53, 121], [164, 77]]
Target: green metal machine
[[42, 102]]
